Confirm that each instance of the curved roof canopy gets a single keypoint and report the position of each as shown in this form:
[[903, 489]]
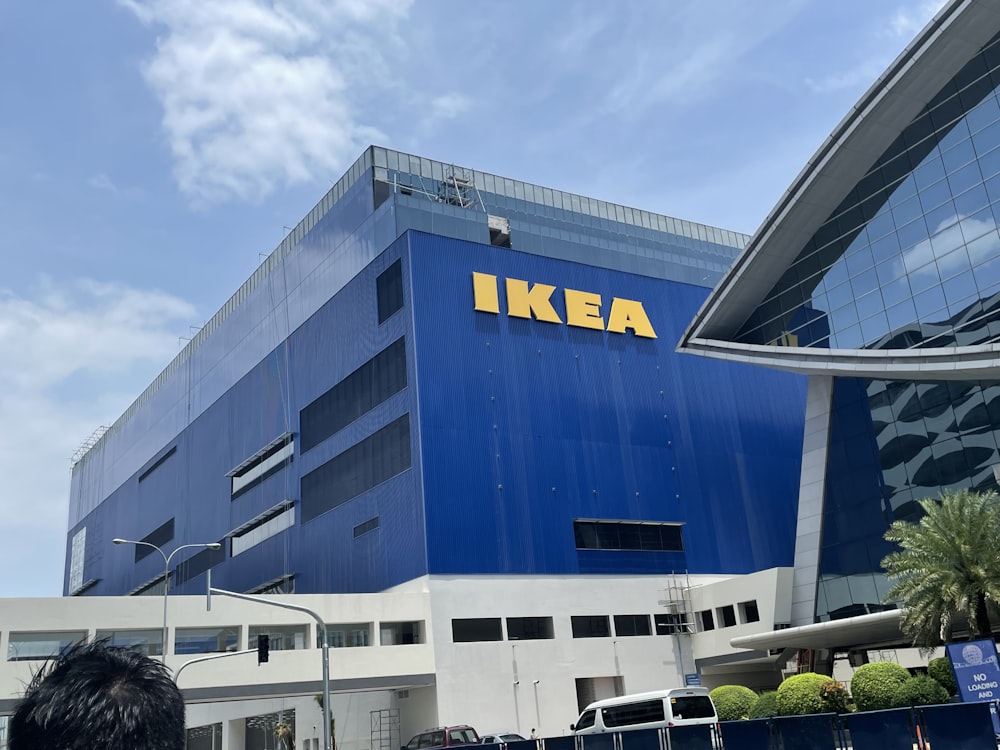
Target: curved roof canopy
[[954, 37]]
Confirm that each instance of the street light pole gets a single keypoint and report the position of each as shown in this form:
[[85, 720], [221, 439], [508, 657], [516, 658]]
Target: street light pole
[[166, 575]]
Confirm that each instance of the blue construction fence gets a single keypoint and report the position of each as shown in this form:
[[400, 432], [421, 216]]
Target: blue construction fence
[[950, 726]]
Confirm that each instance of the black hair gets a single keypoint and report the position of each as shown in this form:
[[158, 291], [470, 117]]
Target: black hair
[[99, 697]]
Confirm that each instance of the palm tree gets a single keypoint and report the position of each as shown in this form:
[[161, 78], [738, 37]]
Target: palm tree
[[284, 733], [949, 565]]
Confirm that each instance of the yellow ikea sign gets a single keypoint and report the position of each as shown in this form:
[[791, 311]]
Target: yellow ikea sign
[[583, 309]]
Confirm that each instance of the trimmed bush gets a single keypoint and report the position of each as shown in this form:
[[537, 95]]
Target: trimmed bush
[[922, 690], [874, 684], [765, 706], [940, 670], [799, 694], [732, 701], [834, 698]]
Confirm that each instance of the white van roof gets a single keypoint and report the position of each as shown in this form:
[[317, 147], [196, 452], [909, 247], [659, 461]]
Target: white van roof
[[653, 695]]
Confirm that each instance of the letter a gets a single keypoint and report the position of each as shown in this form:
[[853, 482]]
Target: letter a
[[629, 313]]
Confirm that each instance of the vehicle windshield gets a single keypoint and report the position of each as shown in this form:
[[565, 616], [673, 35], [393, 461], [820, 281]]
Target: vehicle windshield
[[510, 737], [692, 707], [462, 736]]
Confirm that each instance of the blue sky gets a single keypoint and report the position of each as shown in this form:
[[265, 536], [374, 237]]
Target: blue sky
[[152, 150]]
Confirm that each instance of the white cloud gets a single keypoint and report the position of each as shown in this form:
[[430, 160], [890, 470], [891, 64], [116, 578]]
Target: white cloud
[[54, 340], [257, 95], [980, 238], [908, 21]]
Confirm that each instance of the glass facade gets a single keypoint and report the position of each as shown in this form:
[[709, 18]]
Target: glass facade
[[911, 257]]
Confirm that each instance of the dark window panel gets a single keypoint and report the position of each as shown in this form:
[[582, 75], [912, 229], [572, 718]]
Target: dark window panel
[[389, 291], [591, 626], [476, 629]]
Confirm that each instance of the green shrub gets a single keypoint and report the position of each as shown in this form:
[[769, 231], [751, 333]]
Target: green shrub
[[873, 684], [922, 690], [732, 701], [765, 706], [799, 694], [940, 670], [834, 698]]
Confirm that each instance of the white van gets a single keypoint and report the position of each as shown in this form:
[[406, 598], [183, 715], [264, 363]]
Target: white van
[[661, 708]]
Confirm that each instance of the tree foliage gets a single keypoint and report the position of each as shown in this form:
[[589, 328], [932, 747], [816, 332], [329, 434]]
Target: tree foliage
[[765, 706], [940, 670], [873, 685], [922, 690], [799, 694], [732, 701], [948, 566], [834, 698]]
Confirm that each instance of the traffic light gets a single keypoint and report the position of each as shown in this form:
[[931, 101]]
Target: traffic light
[[263, 647]]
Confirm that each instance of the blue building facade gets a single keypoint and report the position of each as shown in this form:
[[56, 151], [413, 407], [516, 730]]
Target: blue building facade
[[443, 372]]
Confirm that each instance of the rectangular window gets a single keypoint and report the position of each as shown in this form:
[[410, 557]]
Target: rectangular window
[[206, 640], [706, 620], [727, 616], [375, 459], [622, 535], [672, 624], [148, 642], [199, 563], [587, 626], [77, 549], [363, 528], [282, 637], [626, 625], [400, 633], [476, 629], [269, 523], [159, 537], [529, 628], [389, 290], [346, 635], [41, 645], [749, 612], [641, 712], [271, 459], [370, 385]]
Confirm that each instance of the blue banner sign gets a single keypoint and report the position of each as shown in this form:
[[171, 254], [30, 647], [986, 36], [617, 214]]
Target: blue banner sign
[[692, 680], [976, 672]]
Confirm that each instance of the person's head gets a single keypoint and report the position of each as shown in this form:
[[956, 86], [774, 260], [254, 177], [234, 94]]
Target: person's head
[[99, 697]]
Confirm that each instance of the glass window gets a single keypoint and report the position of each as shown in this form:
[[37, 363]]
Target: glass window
[[727, 616], [375, 459], [401, 633], [346, 635], [469, 630], [370, 385], [591, 626], [529, 628], [706, 620], [148, 642], [586, 719], [274, 522], [206, 640], [281, 637], [389, 291], [29, 646], [627, 625], [749, 612], [641, 712], [692, 707]]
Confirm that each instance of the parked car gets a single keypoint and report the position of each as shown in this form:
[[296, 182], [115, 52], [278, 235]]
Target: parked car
[[439, 737], [501, 737], [660, 708]]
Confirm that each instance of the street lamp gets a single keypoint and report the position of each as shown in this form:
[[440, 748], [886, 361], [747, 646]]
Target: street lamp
[[166, 574]]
